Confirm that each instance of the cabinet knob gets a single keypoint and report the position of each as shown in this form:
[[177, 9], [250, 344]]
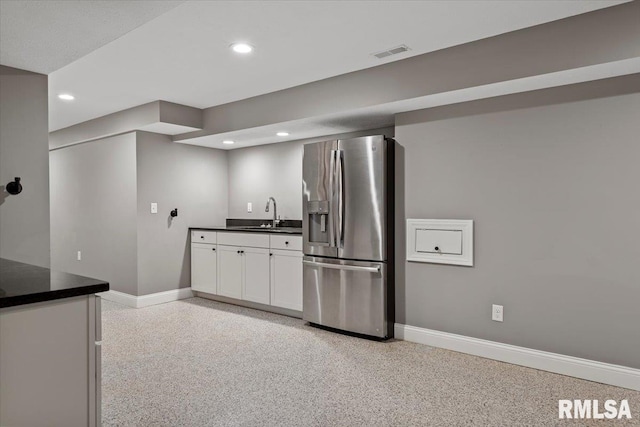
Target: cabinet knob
[[213, 249], [436, 248], [238, 252], [202, 237], [270, 254], [286, 243]]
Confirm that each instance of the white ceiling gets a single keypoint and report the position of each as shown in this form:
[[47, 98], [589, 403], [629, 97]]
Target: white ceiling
[[43, 36], [182, 55]]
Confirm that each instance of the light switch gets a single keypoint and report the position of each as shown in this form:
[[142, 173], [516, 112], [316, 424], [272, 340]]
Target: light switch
[[249, 207], [439, 241], [154, 208]]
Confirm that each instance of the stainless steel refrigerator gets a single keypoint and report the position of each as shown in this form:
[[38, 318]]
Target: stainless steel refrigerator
[[347, 224]]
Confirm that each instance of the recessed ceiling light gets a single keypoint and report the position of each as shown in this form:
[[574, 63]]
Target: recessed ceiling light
[[241, 47], [282, 133], [66, 97], [228, 142]]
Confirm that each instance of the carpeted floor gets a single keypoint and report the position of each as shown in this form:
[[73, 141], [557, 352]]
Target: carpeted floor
[[197, 362]]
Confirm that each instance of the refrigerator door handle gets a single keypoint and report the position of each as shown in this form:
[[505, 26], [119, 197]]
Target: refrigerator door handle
[[340, 179], [332, 206], [343, 267]]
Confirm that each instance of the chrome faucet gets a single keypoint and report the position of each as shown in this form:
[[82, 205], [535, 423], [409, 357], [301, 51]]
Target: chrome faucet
[[275, 211]]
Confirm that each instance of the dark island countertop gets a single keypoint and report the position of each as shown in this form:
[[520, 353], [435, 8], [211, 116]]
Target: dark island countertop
[[25, 284]]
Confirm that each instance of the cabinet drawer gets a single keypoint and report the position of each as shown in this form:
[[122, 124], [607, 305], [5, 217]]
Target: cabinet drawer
[[254, 240], [203, 236], [286, 242]]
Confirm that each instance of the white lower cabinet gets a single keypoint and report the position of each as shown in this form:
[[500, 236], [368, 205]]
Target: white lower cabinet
[[255, 267], [230, 271], [243, 266], [243, 273], [204, 271], [255, 283], [286, 279]]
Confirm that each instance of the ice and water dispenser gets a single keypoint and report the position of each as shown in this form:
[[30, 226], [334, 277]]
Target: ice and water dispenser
[[318, 211]]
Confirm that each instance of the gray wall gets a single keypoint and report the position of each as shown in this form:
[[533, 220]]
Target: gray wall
[[94, 210], [190, 178], [101, 193], [24, 218], [255, 173], [553, 191]]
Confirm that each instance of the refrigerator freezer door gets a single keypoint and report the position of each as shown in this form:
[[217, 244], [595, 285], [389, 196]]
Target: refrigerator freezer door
[[347, 295], [361, 201], [318, 189]]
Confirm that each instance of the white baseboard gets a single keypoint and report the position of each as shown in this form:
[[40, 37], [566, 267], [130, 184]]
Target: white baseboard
[[162, 297], [591, 370], [120, 298], [147, 300]]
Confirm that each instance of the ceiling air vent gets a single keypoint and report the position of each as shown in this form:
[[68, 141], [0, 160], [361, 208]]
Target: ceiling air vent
[[392, 51]]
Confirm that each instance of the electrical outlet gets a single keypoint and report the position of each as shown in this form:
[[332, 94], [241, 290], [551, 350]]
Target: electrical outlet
[[154, 208], [497, 313], [249, 207], [79, 256]]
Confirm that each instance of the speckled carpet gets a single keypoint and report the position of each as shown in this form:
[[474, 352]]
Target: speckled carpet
[[197, 362]]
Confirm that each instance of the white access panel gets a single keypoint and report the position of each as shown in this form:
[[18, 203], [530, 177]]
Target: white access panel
[[440, 241]]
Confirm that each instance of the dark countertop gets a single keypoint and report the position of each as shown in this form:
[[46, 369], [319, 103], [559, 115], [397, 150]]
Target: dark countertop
[[252, 229], [25, 284], [242, 225]]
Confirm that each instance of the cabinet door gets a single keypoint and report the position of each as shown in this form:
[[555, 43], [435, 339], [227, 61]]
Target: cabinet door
[[256, 275], [229, 271], [286, 279], [203, 268], [46, 363]]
